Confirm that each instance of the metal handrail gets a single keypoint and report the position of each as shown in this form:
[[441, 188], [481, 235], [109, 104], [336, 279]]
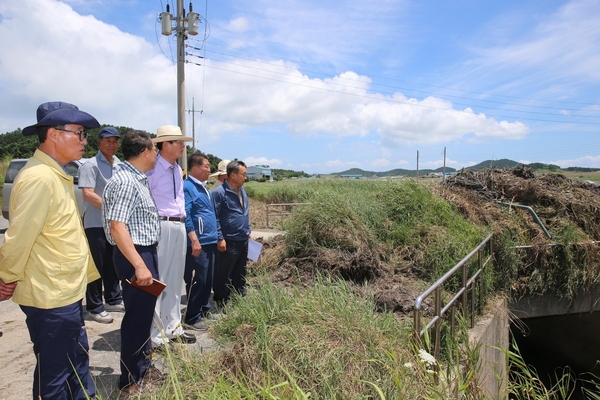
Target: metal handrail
[[532, 212], [462, 294]]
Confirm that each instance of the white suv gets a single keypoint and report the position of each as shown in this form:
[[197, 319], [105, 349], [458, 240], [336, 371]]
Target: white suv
[[15, 166]]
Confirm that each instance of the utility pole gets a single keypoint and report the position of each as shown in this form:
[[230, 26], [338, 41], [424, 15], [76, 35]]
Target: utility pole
[[183, 26], [181, 36], [193, 111], [444, 176], [417, 165]]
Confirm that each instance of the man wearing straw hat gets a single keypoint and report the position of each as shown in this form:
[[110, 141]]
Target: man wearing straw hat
[[45, 258], [166, 186], [221, 174]]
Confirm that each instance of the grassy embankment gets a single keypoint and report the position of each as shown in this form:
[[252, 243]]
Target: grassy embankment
[[326, 340]]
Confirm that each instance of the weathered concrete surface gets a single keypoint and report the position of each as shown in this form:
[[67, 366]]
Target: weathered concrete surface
[[551, 305], [491, 333]]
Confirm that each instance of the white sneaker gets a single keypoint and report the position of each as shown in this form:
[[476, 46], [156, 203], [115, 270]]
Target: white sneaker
[[103, 317]]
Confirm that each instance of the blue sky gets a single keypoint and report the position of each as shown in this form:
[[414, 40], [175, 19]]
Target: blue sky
[[323, 86]]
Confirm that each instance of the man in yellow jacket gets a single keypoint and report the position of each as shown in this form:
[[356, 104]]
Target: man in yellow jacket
[[45, 262]]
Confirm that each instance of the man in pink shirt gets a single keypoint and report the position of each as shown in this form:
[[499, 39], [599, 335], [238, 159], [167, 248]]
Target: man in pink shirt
[[166, 186]]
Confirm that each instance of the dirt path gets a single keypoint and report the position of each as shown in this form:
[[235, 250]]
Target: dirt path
[[18, 361]]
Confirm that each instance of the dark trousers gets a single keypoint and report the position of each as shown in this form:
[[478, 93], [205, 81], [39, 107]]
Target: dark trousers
[[198, 278], [102, 253], [136, 346], [60, 345], [230, 271]]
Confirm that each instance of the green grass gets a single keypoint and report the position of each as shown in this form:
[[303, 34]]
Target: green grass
[[326, 342], [378, 218], [321, 342]]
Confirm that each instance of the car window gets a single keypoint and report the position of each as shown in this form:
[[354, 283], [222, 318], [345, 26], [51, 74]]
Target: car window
[[15, 166], [13, 169], [73, 169]]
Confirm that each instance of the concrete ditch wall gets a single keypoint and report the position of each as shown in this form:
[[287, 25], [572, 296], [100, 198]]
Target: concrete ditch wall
[[491, 333]]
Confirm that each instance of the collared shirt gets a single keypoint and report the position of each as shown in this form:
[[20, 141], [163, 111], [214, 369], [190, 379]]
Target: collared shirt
[[196, 181], [166, 186], [94, 173], [200, 214], [45, 248], [127, 199]]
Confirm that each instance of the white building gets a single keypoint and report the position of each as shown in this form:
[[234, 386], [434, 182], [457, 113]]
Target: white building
[[258, 172]]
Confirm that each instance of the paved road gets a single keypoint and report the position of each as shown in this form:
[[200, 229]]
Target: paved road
[[18, 362]]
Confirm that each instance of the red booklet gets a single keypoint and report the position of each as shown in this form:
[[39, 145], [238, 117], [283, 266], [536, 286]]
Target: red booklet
[[155, 289]]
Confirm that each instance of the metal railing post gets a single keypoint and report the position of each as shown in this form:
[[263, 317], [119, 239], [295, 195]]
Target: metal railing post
[[459, 298], [464, 295]]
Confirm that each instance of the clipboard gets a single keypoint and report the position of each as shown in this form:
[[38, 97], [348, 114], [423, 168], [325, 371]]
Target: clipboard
[[155, 289]]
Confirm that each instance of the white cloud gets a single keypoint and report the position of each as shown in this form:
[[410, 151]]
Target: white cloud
[[119, 78], [238, 25], [380, 163], [49, 52], [315, 30], [255, 94], [272, 162], [547, 61], [587, 162], [342, 164]]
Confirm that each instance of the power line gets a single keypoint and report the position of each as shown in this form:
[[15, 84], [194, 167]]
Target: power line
[[337, 71], [391, 93], [397, 101], [405, 88]]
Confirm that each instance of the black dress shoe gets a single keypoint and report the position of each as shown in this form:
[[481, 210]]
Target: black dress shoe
[[185, 337]]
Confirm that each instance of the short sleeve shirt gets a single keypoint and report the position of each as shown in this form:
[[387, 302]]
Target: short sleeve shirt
[[94, 173], [127, 199]]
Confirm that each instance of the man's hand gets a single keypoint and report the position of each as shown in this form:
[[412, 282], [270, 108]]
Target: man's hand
[[143, 276], [196, 248], [222, 245], [6, 290]]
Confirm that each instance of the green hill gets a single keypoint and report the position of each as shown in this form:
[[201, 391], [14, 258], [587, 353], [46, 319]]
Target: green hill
[[502, 163], [393, 172]]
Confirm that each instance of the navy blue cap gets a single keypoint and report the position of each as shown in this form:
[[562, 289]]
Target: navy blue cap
[[56, 113], [109, 131]]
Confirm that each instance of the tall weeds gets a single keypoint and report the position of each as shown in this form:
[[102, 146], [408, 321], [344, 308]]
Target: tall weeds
[[321, 342]]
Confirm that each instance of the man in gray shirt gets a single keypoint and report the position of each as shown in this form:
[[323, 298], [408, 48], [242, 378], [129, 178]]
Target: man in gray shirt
[[93, 176]]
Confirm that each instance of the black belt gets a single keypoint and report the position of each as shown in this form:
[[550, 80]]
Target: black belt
[[178, 219]]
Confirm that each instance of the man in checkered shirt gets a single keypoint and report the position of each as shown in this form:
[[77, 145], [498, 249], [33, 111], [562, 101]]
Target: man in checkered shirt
[[130, 221]]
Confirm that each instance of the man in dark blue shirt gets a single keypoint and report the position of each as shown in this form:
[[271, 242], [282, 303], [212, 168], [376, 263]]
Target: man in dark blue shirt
[[233, 229]]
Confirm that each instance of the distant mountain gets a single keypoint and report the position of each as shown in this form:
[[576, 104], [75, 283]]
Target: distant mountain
[[393, 172], [502, 163]]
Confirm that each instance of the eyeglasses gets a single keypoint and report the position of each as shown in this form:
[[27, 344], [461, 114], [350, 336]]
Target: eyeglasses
[[244, 174], [176, 141], [83, 135], [154, 149]]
